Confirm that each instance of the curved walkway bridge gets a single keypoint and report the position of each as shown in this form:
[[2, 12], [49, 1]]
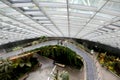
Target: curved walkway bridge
[[90, 68]]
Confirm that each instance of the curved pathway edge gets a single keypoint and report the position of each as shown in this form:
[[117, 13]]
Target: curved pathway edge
[[90, 66]]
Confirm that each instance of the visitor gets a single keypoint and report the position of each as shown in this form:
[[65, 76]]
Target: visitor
[[58, 42], [22, 49], [54, 62], [65, 43], [61, 42]]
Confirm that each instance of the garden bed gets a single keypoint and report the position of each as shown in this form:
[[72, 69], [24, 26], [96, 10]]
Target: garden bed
[[111, 63]]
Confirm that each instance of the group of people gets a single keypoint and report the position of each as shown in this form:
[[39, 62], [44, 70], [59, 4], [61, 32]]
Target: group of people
[[62, 42]]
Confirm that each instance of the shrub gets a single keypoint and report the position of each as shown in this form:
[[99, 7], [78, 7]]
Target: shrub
[[62, 55]]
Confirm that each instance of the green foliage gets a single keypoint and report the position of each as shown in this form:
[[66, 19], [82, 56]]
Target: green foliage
[[62, 55], [12, 70], [111, 62], [64, 75], [42, 38], [17, 48], [117, 67], [6, 70], [35, 42], [21, 62]]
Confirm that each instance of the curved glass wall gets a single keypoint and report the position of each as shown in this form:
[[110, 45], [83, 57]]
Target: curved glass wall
[[94, 20]]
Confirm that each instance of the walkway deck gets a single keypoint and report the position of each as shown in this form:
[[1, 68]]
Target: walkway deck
[[90, 66]]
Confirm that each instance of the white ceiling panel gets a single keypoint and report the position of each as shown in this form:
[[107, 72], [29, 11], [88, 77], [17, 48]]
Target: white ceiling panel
[[95, 20]]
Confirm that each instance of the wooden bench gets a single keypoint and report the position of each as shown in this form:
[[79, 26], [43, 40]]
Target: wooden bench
[[61, 65]]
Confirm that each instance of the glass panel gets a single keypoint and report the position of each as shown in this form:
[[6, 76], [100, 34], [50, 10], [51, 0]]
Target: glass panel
[[15, 1], [117, 24], [62, 1], [110, 12], [2, 5], [30, 8], [112, 6], [80, 15], [81, 11], [105, 15], [55, 9], [34, 12], [82, 7], [47, 24], [44, 21], [40, 18], [78, 18], [7, 10], [54, 5], [95, 3], [98, 22], [115, 0], [56, 13]]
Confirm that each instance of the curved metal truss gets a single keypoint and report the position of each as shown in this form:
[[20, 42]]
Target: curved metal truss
[[94, 20]]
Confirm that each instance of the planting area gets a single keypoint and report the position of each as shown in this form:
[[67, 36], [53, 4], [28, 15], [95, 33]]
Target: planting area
[[16, 67], [110, 62], [19, 67]]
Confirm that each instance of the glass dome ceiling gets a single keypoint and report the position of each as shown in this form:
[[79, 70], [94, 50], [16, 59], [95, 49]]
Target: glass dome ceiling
[[94, 20]]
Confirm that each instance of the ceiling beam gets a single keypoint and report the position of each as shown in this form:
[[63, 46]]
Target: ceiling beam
[[92, 18], [37, 4], [22, 12], [68, 17]]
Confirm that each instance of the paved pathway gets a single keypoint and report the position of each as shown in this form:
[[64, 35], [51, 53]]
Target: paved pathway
[[44, 71], [90, 66], [10, 54], [108, 75]]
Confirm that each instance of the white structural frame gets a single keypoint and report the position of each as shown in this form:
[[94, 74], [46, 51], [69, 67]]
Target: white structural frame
[[94, 20]]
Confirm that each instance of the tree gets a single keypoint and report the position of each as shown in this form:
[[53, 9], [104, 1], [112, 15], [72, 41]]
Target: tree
[[64, 75]]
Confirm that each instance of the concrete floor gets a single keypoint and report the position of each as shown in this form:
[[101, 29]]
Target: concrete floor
[[47, 65], [43, 72], [108, 75]]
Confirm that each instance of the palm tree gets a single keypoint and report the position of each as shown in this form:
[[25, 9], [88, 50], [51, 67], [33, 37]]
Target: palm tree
[[6, 70]]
